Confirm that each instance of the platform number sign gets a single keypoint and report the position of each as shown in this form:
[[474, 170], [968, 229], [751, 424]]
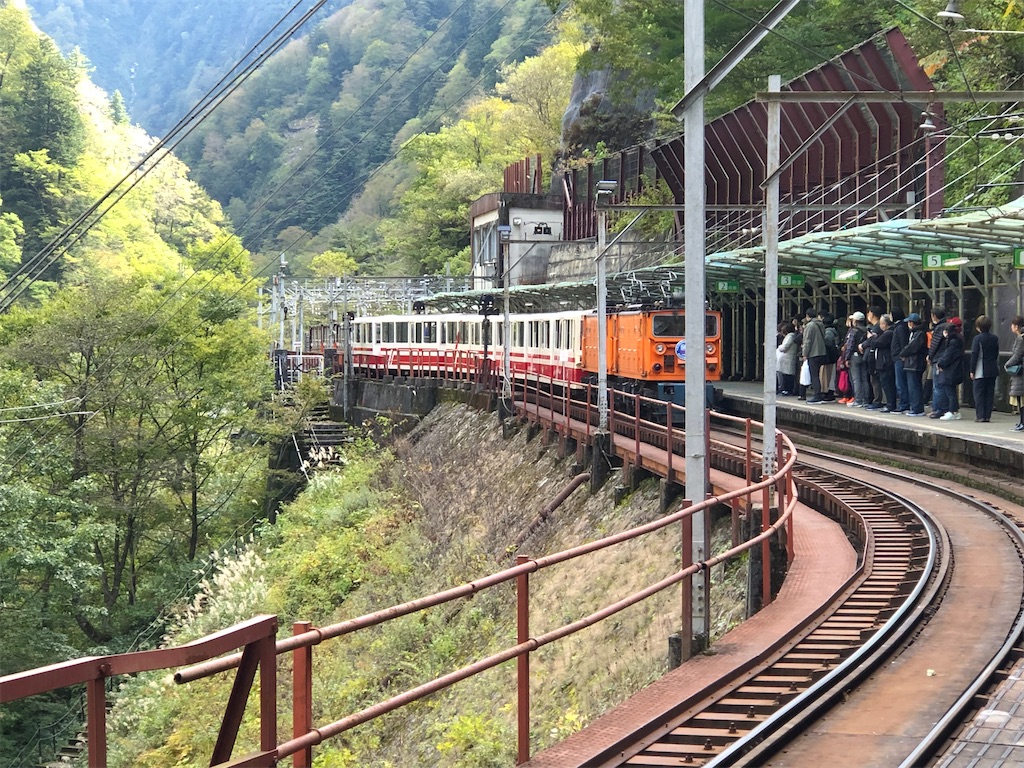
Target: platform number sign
[[1018, 258], [934, 261], [791, 281], [840, 275], [727, 286]]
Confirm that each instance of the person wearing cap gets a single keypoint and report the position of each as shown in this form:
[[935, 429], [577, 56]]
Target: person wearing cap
[[913, 356], [984, 368], [948, 362], [855, 361]]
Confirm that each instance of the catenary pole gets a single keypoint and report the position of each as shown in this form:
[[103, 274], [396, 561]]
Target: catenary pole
[[693, 241]]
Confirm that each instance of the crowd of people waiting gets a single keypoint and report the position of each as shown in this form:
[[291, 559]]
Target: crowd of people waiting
[[886, 361]]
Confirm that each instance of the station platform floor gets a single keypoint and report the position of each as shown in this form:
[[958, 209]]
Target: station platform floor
[[964, 443]]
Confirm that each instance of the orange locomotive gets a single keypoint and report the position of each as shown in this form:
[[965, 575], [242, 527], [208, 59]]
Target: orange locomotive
[[647, 351]]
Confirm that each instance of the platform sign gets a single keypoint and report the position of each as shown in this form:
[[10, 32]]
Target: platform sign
[[727, 286], [1018, 258], [791, 281], [840, 275], [931, 262]]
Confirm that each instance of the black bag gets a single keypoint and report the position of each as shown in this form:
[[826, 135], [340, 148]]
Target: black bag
[[831, 347]]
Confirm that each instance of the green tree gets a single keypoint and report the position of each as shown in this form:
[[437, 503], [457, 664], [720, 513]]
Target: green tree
[[333, 263], [11, 232]]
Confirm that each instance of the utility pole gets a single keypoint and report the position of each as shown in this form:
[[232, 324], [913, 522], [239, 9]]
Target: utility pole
[[694, 244]]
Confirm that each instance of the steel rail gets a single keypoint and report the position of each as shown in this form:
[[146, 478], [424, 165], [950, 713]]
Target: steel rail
[[929, 746], [768, 737]]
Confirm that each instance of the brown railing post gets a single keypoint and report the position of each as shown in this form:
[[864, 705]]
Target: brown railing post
[[790, 548], [267, 649], [748, 470], [588, 411], [707, 466], [523, 663], [766, 547], [636, 428], [302, 695], [668, 437], [96, 717]]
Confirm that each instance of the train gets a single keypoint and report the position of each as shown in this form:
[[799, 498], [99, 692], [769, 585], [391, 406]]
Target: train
[[646, 349]]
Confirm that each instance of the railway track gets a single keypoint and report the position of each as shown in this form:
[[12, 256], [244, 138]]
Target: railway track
[[904, 563], [890, 609], [956, 723], [924, 658]]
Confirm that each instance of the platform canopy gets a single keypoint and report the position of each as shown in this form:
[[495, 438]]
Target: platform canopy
[[897, 245]]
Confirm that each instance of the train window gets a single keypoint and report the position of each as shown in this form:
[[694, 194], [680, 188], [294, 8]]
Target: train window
[[430, 333], [402, 332], [387, 332], [450, 333], [463, 336], [520, 334], [710, 326], [376, 333], [668, 325]]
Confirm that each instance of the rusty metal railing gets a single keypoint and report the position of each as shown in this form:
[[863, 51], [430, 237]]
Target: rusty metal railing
[[257, 635]]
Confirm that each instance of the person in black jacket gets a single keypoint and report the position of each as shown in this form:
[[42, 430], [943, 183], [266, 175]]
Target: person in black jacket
[[949, 361], [900, 337], [879, 349], [913, 356], [984, 368], [938, 323]]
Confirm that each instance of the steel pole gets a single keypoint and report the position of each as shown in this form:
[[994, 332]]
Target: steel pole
[[771, 276], [694, 243]]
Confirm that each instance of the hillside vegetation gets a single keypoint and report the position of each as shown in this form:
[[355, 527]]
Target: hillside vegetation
[[437, 509], [132, 379]]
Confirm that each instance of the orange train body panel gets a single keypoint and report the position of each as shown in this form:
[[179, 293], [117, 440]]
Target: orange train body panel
[[645, 345]]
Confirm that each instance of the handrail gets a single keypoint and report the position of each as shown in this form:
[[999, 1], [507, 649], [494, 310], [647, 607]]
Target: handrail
[[256, 630], [34, 681]]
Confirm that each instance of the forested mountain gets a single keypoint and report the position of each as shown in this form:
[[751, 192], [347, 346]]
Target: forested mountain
[[161, 55], [333, 150]]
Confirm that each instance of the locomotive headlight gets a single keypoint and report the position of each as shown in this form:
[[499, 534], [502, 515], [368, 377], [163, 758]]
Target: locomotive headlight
[[659, 348], [657, 367], [709, 349]]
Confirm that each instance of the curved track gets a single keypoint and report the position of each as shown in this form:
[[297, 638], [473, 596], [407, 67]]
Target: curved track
[[886, 673]]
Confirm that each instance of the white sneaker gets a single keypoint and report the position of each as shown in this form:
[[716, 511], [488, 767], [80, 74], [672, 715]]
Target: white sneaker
[[950, 416]]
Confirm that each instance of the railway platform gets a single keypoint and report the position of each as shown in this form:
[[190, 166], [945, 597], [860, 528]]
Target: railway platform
[[963, 443]]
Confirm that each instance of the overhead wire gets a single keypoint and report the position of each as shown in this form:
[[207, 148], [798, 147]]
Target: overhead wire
[[28, 272], [355, 184]]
